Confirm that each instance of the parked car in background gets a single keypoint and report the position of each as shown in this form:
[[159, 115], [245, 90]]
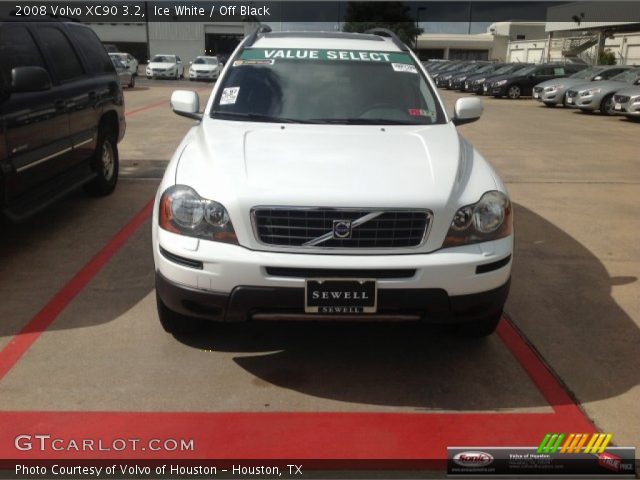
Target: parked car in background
[[450, 68], [483, 72], [165, 66], [521, 83], [128, 60], [479, 84], [61, 115], [127, 79], [456, 82], [443, 77], [205, 68], [627, 102], [590, 97], [551, 92]]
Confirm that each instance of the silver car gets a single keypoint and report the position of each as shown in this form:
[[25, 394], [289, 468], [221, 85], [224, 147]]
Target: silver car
[[590, 97], [627, 102], [551, 92], [127, 79]]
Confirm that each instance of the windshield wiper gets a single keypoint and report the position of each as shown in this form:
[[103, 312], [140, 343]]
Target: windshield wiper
[[258, 117], [363, 121]]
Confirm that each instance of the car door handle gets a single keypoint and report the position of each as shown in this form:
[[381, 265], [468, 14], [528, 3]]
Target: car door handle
[[60, 104]]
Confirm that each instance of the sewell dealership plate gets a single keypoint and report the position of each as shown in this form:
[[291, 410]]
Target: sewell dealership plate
[[340, 296]]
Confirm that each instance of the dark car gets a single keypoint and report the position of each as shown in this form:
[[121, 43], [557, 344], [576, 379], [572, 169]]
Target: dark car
[[450, 68], [456, 82], [61, 115], [479, 83], [521, 83], [443, 76]]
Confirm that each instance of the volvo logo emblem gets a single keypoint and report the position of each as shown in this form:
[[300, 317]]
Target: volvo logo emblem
[[341, 229]]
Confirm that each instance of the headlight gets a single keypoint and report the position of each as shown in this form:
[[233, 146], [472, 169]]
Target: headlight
[[488, 219], [587, 93], [185, 212], [462, 79], [551, 88], [480, 80], [499, 83]]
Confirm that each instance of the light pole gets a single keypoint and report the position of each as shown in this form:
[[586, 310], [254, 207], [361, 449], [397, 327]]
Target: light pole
[[420, 9]]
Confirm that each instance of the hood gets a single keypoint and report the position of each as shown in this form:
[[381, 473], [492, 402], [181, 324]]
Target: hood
[[605, 85], [204, 66], [162, 64], [630, 92], [565, 82], [508, 77], [348, 166]]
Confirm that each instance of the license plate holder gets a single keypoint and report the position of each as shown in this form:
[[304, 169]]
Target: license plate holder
[[340, 295]]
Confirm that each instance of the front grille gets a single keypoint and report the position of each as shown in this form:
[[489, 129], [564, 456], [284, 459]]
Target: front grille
[[293, 227], [572, 93], [340, 273], [621, 99]]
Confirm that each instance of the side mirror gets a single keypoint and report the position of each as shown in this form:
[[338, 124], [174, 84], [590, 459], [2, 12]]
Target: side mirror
[[597, 78], [467, 110], [29, 79], [186, 103]]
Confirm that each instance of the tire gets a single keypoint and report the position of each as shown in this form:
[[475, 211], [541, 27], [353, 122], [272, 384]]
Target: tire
[[105, 163], [132, 82], [148, 77], [606, 106], [175, 323], [480, 328], [514, 92]]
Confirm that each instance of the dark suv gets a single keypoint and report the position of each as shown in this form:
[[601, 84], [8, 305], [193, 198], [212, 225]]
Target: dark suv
[[521, 83], [61, 115]]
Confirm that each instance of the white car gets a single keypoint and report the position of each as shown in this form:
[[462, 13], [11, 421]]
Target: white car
[[128, 60], [165, 66], [325, 180], [205, 68]]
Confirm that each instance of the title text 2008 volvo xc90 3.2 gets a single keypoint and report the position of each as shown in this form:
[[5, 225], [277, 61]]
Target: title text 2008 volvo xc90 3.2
[[326, 180]]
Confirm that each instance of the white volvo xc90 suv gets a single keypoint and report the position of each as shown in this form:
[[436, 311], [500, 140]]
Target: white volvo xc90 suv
[[326, 180]]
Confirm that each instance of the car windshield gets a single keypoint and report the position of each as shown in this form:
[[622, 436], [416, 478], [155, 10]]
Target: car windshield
[[205, 61], [486, 68], [525, 71], [164, 59], [326, 86], [629, 76]]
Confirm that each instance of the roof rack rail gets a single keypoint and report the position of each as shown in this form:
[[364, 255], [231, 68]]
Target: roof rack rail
[[258, 31], [385, 32]]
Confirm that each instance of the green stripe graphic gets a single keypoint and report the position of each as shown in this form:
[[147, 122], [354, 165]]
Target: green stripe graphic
[[325, 55]]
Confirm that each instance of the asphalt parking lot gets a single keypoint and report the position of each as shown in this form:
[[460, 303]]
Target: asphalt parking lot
[[81, 348]]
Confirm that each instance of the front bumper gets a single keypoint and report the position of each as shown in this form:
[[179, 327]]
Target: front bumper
[[588, 102], [203, 75], [156, 74], [629, 109], [246, 303], [499, 91], [554, 97], [213, 273]]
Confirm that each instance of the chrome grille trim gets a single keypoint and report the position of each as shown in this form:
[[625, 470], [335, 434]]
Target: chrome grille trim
[[323, 214]]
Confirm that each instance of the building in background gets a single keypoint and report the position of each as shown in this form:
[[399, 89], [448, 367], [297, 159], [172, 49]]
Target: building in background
[[185, 39], [492, 45]]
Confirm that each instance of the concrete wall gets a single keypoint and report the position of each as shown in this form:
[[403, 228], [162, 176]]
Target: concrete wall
[[530, 51]]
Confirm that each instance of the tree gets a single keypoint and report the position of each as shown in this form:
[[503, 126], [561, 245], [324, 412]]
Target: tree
[[607, 57], [396, 16]]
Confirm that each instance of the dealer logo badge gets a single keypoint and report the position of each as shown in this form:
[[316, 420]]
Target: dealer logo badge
[[342, 229]]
